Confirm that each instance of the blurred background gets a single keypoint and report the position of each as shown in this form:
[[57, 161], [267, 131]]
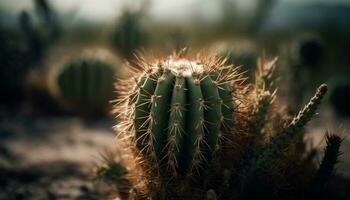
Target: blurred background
[[59, 60]]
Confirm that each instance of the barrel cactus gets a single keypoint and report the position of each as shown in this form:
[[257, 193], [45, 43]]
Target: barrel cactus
[[85, 85], [194, 129]]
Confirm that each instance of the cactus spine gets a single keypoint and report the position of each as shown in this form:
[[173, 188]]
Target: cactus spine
[[196, 130]]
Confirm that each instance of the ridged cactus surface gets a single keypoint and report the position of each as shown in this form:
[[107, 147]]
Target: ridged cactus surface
[[86, 85], [181, 113], [194, 129]]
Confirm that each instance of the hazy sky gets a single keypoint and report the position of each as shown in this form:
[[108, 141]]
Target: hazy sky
[[102, 10]]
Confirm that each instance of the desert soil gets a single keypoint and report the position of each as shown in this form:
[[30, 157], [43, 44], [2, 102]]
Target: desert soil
[[54, 157]]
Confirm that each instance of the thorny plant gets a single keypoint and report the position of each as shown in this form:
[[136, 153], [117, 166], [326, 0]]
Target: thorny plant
[[192, 128]]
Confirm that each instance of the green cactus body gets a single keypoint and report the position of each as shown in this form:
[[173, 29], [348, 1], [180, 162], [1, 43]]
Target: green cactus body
[[86, 85], [194, 140], [197, 131], [182, 113], [147, 85], [176, 131], [227, 102]]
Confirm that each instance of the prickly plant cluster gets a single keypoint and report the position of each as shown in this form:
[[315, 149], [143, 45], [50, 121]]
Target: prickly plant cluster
[[85, 85], [193, 129]]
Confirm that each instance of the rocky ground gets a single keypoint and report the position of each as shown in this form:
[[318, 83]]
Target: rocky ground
[[54, 157]]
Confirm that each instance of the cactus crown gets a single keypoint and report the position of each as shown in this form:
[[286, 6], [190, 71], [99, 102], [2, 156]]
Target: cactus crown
[[194, 125]]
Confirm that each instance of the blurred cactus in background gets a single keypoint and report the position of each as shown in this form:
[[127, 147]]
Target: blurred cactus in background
[[48, 19], [39, 37], [303, 57], [84, 85], [262, 11], [129, 34], [309, 58], [311, 52], [243, 54], [12, 70], [340, 97], [34, 43], [194, 129], [23, 51], [178, 40]]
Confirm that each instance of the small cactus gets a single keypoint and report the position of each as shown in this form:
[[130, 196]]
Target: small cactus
[[85, 85], [195, 130], [326, 170]]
